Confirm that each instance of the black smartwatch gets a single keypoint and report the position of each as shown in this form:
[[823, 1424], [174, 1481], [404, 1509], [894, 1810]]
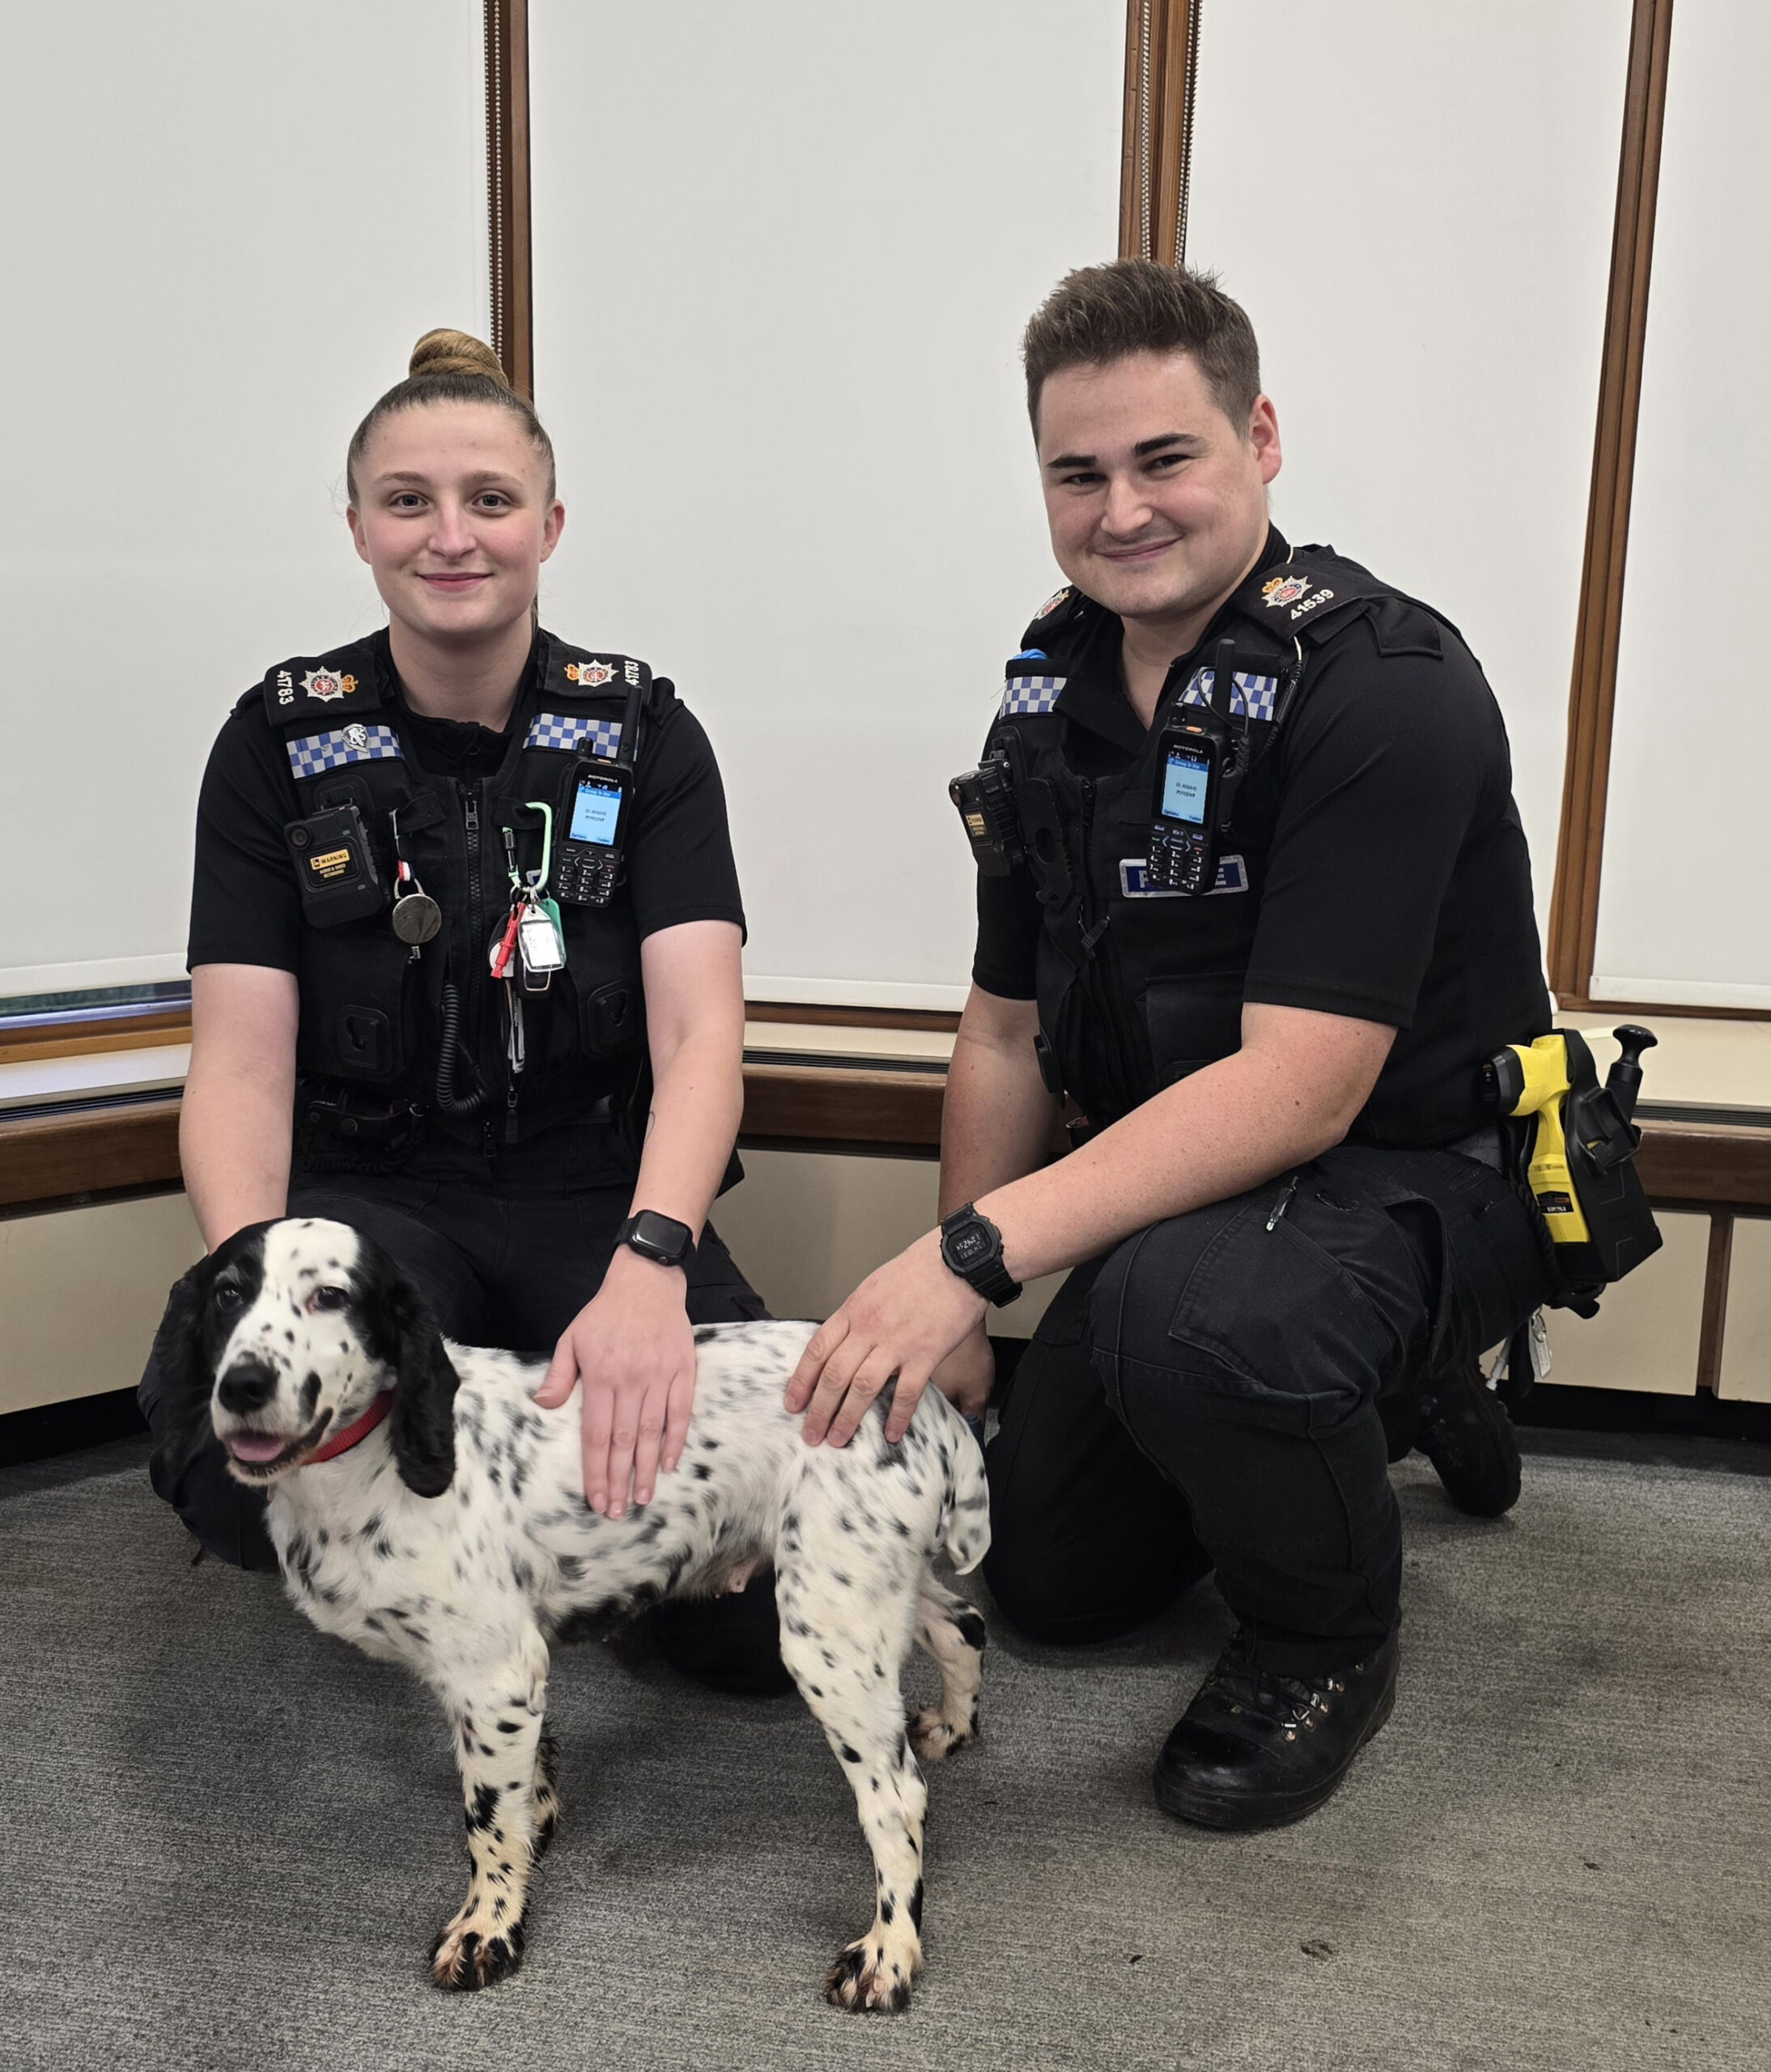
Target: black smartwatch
[[658, 1238], [971, 1246]]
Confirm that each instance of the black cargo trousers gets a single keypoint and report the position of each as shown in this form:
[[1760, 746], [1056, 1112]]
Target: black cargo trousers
[[1213, 1395], [507, 1251]]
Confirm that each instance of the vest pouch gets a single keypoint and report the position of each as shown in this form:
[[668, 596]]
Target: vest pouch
[[354, 982], [1192, 1021]]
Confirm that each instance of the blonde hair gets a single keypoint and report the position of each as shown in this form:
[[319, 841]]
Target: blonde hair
[[450, 366]]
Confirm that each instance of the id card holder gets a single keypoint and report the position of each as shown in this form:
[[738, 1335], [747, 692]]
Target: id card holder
[[334, 867], [540, 946]]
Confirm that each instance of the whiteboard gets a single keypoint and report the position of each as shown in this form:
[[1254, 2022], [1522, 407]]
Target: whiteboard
[[1414, 204], [783, 257], [226, 228], [1683, 914]]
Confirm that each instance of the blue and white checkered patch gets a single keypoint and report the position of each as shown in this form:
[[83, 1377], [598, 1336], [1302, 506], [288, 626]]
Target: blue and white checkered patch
[[315, 754], [1031, 694], [1251, 694], [573, 730]]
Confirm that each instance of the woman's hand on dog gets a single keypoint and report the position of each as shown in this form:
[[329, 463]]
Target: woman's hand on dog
[[633, 1349], [907, 1320]]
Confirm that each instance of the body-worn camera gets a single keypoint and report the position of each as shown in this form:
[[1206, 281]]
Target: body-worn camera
[[588, 861], [335, 867], [985, 797]]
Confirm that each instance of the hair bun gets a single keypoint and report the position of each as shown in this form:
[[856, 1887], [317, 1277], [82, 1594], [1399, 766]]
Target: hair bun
[[440, 354]]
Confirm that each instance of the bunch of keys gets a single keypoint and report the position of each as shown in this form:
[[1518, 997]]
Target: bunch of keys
[[416, 917], [532, 937]]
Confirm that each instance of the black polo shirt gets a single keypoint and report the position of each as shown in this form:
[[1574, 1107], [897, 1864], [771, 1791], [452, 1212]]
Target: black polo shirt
[[1398, 887]]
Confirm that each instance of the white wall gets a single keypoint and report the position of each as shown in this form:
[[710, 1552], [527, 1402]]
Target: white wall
[[1414, 204], [782, 258], [225, 226], [1682, 913]]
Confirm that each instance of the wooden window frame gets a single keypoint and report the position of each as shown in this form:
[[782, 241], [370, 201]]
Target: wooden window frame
[[509, 217], [1161, 63]]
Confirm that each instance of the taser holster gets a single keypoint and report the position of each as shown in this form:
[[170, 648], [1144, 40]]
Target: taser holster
[[1577, 1157]]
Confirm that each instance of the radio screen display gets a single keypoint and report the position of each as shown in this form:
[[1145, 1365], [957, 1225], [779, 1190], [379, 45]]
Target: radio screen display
[[1184, 786], [594, 813]]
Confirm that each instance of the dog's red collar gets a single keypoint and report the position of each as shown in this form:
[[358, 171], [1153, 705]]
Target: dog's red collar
[[342, 1442]]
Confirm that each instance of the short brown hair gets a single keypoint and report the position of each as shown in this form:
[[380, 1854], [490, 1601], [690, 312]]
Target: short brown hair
[[1099, 314], [450, 366]]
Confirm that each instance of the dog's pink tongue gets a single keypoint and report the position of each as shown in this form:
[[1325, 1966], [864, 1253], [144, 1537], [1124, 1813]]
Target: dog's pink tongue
[[254, 1446]]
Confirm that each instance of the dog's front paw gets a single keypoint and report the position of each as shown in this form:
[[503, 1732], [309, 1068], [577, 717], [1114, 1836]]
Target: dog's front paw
[[867, 1979], [933, 1736], [470, 1953]]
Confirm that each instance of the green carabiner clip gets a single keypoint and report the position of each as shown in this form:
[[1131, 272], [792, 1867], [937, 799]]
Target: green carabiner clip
[[538, 879]]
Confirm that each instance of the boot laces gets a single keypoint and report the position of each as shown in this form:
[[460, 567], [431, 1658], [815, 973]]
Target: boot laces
[[1290, 1704]]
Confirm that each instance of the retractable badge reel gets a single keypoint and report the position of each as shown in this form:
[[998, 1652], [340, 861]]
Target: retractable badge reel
[[416, 916]]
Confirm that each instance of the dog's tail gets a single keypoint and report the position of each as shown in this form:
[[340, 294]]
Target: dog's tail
[[965, 1510]]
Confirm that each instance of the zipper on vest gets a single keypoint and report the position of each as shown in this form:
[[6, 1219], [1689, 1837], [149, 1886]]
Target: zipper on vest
[[1103, 974], [476, 927]]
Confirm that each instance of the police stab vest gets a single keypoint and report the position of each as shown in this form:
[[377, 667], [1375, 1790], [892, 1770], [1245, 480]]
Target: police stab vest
[[1138, 987], [371, 1004]]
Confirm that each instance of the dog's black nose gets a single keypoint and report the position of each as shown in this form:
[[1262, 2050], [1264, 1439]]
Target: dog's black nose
[[248, 1385]]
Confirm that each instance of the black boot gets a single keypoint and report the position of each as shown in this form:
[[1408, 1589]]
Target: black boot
[[1465, 1431], [1255, 1750], [730, 1644]]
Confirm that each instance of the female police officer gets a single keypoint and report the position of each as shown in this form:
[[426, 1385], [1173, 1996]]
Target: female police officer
[[464, 894]]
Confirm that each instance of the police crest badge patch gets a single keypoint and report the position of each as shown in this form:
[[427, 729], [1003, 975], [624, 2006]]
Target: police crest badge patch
[[323, 686], [589, 675], [1051, 603], [1284, 590]]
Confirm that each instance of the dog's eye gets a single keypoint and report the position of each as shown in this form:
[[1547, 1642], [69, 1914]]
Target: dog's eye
[[328, 1298], [228, 1296]]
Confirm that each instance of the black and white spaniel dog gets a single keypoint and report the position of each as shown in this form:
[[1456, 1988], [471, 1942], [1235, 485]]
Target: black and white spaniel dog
[[422, 1507]]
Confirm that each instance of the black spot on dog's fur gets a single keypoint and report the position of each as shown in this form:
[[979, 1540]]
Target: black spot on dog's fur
[[972, 1630], [916, 1905], [484, 1809]]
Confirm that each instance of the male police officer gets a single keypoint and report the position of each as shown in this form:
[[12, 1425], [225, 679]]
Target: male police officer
[[1270, 1004]]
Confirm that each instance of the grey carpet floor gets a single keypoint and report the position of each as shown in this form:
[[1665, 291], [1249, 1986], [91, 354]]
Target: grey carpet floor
[[227, 1840]]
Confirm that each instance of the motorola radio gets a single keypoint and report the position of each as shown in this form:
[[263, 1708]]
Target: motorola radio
[[588, 859], [1200, 758]]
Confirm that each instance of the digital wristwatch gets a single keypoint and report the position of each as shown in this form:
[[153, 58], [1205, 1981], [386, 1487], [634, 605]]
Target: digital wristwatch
[[971, 1246], [659, 1238]]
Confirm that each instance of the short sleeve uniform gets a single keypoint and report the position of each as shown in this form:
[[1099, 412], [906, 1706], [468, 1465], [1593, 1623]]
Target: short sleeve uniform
[[1396, 885]]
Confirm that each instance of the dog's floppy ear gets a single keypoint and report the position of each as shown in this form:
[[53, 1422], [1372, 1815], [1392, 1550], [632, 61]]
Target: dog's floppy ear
[[406, 1337], [179, 1364]]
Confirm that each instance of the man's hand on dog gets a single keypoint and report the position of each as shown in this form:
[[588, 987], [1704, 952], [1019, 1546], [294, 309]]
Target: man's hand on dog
[[633, 1349], [910, 1318]]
